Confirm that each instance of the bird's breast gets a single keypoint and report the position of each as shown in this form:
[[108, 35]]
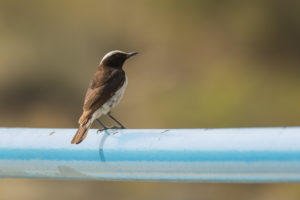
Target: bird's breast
[[112, 102], [116, 98]]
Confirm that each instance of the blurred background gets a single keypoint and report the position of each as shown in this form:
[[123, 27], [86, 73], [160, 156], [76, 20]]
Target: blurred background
[[202, 64]]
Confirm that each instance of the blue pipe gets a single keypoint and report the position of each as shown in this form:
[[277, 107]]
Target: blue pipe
[[203, 155]]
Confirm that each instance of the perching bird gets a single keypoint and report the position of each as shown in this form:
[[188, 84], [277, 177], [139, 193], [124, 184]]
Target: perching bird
[[104, 93]]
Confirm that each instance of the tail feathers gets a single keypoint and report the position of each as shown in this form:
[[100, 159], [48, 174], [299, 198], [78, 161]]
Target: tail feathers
[[81, 133], [85, 117]]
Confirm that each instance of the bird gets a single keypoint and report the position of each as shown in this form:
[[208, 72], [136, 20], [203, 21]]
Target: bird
[[104, 92]]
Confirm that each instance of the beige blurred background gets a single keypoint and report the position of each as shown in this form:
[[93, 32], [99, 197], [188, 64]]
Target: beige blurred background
[[202, 64]]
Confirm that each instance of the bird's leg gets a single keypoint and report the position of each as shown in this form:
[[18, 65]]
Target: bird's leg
[[121, 125], [104, 127]]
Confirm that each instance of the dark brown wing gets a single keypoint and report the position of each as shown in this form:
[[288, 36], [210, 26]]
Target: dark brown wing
[[103, 86]]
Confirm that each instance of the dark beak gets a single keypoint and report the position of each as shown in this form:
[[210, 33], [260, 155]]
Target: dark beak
[[131, 54]]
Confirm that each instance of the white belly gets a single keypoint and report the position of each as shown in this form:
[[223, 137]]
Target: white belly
[[111, 103]]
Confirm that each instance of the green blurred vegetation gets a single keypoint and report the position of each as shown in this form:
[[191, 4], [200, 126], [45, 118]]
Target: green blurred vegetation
[[202, 64]]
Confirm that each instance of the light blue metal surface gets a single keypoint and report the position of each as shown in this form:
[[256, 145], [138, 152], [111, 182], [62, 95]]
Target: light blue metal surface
[[207, 155]]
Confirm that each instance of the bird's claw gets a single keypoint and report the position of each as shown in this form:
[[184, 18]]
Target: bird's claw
[[100, 130], [107, 128]]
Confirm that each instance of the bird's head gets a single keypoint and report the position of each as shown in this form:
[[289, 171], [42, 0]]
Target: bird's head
[[116, 58]]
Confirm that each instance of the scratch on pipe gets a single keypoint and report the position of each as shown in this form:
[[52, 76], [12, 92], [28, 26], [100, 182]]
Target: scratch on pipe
[[52, 133], [165, 131]]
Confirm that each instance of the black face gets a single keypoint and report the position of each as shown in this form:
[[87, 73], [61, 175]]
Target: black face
[[116, 60]]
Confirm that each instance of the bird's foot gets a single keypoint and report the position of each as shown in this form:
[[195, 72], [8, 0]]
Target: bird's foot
[[100, 130], [110, 128], [116, 127]]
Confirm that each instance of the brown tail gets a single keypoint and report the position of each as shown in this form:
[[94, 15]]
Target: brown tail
[[81, 133]]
